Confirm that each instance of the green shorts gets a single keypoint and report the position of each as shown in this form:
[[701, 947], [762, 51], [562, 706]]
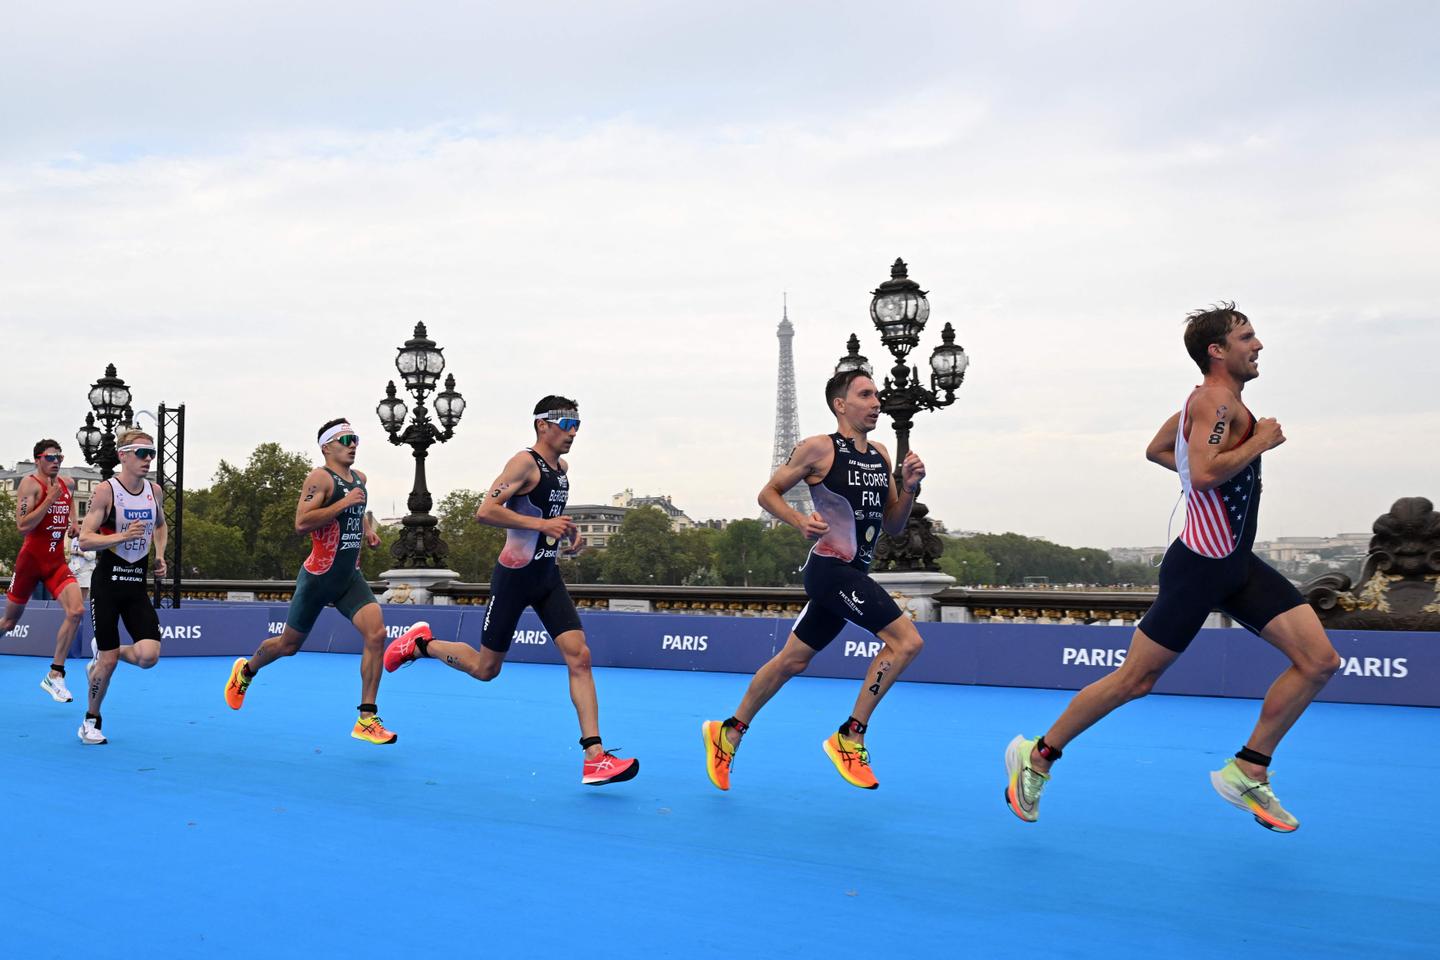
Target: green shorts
[[313, 594]]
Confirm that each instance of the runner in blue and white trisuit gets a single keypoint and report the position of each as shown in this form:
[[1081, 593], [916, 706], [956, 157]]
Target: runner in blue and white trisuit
[[528, 501], [855, 499], [1214, 443]]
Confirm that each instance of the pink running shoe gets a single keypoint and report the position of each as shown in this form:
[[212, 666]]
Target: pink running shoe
[[404, 649], [608, 768]]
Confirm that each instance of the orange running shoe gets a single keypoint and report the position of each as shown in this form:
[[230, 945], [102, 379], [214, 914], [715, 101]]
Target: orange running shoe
[[404, 649], [719, 753], [236, 686], [852, 761], [372, 730]]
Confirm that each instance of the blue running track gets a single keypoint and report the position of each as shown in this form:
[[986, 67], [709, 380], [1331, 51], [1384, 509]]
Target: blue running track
[[201, 832]]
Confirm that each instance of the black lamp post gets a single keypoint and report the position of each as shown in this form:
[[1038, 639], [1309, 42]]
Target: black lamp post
[[420, 363], [899, 309], [110, 402]]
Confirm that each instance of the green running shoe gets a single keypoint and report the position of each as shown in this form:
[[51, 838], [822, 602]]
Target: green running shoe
[[1254, 797], [1022, 793]]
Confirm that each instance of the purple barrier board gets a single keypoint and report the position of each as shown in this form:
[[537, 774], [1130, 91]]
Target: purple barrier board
[[1377, 667], [234, 630], [34, 635]]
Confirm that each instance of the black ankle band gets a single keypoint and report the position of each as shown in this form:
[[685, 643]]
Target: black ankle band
[[853, 726], [423, 646], [587, 742], [368, 708], [93, 716], [58, 668], [1048, 752], [1252, 756], [740, 725]]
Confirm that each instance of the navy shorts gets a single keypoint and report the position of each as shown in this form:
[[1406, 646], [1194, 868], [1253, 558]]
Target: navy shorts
[[840, 591], [1242, 585], [511, 591]]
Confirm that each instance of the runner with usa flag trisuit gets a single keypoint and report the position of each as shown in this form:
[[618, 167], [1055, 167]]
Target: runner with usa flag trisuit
[[1215, 444]]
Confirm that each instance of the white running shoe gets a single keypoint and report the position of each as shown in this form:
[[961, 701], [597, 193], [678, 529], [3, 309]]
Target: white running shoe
[[90, 734], [55, 686]]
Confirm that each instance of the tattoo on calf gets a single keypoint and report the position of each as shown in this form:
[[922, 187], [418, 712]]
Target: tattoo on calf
[[879, 678]]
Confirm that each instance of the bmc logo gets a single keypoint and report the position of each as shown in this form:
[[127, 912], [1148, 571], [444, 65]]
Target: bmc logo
[[530, 636], [1092, 657], [22, 630], [185, 631], [685, 641], [868, 649], [1395, 668]]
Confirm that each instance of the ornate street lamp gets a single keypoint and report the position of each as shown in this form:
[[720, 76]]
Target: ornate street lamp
[[420, 363], [110, 402], [899, 309]]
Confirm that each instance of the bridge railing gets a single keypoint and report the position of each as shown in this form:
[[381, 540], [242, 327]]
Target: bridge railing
[[957, 604]]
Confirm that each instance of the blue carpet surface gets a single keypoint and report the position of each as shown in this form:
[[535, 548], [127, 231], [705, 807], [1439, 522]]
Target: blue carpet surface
[[202, 832]]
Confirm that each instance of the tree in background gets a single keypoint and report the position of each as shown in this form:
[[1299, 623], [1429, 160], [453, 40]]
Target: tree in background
[[1010, 558], [967, 563], [789, 548], [697, 557], [258, 500], [473, 545], [644, 550], [10, 535], [376, 561]]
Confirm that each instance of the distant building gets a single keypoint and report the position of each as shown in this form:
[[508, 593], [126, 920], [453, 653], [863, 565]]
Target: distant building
[[1149, 555], [83, 481], [678, 519], [597, 523]]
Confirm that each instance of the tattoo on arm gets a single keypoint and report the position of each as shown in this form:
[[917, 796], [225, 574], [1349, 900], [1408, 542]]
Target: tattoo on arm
[[1217, 433]]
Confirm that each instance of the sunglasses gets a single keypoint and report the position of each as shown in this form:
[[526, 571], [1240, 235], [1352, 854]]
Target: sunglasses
[[144, 453], [53, 457], [566, 423], [348, 440]]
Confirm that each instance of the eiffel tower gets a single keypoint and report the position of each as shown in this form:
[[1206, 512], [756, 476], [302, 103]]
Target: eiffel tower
[[787, 417]]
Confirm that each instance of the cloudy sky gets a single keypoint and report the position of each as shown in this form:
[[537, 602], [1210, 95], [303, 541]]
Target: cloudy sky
[[246, 209]]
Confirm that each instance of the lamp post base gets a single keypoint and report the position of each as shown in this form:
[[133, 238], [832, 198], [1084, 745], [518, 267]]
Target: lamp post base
[[414, 585], [914, 591]]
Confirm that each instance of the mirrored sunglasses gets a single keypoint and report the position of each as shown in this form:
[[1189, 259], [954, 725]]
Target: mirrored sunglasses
[[566, 423], [144, 453], [53, 457], [348, 439]]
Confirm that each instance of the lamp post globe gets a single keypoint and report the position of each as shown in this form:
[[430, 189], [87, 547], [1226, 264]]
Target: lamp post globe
[[899, 309], [853, 360], [420, 362]]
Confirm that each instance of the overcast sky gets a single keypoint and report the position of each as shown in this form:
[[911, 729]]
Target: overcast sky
[[246, 207]]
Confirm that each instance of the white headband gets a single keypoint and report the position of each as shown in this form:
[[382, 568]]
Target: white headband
[[558, 415], [130, 447], [339, 430]]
